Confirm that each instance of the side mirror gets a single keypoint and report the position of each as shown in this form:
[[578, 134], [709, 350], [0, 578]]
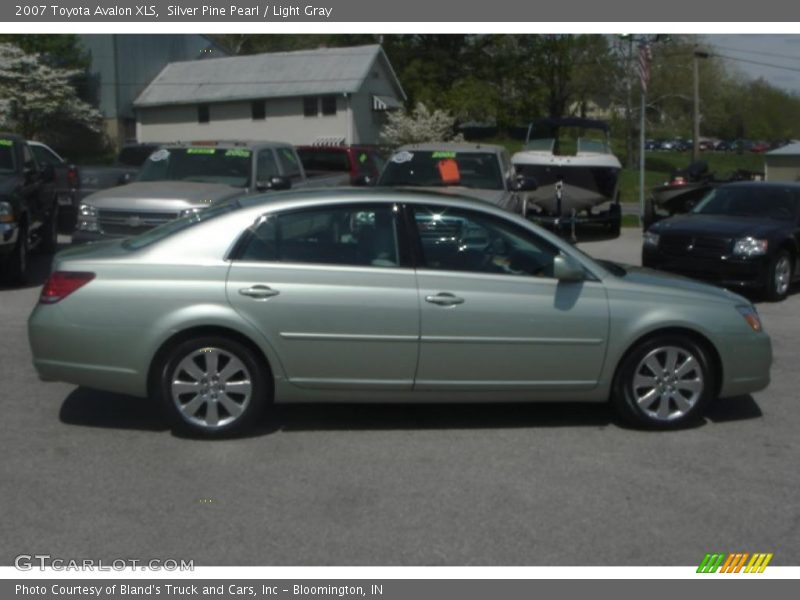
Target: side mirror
[[124, 178], [275, 183], [363, 181], [524, 184], [567, 269]]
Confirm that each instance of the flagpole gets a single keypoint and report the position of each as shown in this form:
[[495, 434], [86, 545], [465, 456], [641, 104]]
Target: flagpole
[[641, 162]]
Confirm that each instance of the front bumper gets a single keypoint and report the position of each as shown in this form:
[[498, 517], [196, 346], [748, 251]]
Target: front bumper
[[726, 272], [746, 363]]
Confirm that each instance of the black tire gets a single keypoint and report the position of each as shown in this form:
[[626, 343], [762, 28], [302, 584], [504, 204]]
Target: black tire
[[15, 268], [778, 278], [196, 418], [631, 402], [615, 219], [649, 216], [49, 243]]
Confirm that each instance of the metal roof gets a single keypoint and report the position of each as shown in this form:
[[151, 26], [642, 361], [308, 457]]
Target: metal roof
[[787, 150], [271, 75]]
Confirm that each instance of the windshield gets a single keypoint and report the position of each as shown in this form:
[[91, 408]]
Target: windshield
[[764, 202], [229, 166], [443, 168], [172, 227], [7, 162]]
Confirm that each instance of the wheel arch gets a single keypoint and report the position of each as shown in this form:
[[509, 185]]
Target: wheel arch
[[207, 330], [694, 335]]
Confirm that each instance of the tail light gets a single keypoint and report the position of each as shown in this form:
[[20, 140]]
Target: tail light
[[72, 177], [62, 283]]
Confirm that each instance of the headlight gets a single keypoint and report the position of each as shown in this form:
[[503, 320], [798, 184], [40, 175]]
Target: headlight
[[651, 239], [751, 316], [87, 210], [750, 246], [190, 211], [6, 213], [87, 218]]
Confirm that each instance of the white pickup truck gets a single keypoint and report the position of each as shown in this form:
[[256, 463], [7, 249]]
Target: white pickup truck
[[179, 179]]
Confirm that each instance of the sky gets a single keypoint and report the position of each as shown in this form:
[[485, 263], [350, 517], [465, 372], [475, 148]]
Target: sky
[[780, 50]]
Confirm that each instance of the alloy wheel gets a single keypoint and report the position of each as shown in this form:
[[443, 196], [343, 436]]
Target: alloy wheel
[[667, 383]]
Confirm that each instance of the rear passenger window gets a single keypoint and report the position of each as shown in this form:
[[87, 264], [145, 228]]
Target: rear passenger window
[[342, 235], [289, 162]]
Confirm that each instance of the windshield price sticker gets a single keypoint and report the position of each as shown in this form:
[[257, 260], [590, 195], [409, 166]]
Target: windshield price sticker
[[443, 154], [238, 152], [158, 155], [6, 143], [362, 158], [201, 150], [402, 157]]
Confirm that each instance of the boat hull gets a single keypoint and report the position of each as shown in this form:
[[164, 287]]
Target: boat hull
[[586, 182]]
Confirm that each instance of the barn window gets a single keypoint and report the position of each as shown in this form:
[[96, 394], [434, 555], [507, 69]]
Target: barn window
[[328, 105], [310, 106], [258, 109], [203, 115]]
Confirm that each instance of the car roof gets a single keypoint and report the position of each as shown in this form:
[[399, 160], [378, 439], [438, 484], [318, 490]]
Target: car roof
[[248, 144], [12, 136], [452, 147]]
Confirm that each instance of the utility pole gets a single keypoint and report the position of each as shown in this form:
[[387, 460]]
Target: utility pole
[[698, 54]]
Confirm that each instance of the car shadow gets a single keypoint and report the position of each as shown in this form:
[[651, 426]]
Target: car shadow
[[739, 408], [92, 408]]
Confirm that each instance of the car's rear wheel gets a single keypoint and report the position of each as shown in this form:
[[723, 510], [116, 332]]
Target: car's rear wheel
[[663, 383], [779, 276], [212, 387]]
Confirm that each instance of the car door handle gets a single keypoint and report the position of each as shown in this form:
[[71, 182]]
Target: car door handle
[[259, 292], [444, 299]]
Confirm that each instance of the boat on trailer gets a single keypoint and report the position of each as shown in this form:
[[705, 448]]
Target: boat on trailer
[[575, 174]]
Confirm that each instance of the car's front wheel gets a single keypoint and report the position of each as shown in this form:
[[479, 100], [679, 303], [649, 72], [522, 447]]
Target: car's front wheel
[[212, 386], [663, 383], [779, 277]]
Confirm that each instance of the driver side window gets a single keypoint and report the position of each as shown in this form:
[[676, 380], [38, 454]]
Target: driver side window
[[471, 241]]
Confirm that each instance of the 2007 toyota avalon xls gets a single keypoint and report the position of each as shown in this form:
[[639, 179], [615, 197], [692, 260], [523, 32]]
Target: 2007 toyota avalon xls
[[382, 296]]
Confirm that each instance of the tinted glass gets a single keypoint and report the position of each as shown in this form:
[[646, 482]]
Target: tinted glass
[[267, 167], [344, 235], [230, 166], [7, 159], [44, 156], [290, 164], [443, 168], [760, 201], [324, 159], [462, 240], [134, 156]]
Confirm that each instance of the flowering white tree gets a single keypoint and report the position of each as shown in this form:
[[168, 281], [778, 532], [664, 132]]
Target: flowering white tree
[[418, 126], [35, 97]]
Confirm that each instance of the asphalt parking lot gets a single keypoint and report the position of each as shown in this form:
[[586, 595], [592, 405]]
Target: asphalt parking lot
[[92, 474]]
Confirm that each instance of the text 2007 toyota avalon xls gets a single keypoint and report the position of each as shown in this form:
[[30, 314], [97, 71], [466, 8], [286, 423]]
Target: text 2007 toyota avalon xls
[[379, 296]]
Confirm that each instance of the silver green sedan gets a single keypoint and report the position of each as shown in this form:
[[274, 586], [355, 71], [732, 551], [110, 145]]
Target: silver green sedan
[[381, 296]]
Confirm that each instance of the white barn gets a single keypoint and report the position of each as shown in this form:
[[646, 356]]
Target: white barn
[[327, 95], [783, 164]]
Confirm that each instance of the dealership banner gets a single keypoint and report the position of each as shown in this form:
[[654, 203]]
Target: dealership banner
[[336, 589], [411, 11]]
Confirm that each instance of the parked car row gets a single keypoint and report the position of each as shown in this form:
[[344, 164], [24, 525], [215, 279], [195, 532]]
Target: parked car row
[[708, 145]]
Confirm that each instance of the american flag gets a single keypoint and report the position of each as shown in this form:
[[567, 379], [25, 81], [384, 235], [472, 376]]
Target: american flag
[[645, 56]]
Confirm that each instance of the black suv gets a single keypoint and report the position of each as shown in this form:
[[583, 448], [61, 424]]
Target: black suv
[[740, 235], [28, 208]]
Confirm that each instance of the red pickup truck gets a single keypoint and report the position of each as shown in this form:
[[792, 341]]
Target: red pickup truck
[[362, 163]]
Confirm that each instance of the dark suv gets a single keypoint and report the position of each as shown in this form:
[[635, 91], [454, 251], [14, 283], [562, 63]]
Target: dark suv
[[740, 235], [28, 207]]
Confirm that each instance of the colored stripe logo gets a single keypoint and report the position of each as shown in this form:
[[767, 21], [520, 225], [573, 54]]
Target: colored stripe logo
[[737, 562]]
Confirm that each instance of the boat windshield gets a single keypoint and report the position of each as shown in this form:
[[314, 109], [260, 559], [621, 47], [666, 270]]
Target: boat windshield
[[759, 201], [441, 168]]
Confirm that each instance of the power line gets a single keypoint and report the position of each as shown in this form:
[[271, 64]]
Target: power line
[[773, 54], [759, 63]]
